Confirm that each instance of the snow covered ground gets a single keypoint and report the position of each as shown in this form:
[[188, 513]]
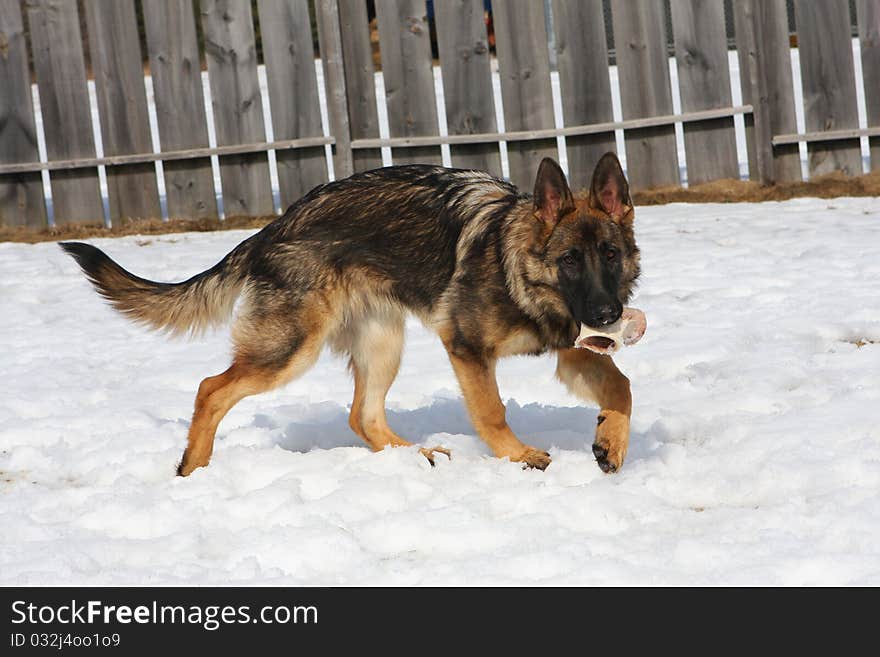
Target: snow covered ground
[[755, 454]]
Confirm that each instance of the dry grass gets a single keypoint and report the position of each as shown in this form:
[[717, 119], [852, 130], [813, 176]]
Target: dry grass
[[719, 191], [738, 191], [136, 227]]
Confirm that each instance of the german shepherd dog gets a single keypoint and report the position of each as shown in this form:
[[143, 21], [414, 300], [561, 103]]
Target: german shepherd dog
[[494, 271]]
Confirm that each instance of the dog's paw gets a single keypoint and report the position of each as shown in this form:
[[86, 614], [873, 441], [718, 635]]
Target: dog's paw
[[606, 463], [533, 458], [189, 463], [185, 469], [429, 453], [612, 440]]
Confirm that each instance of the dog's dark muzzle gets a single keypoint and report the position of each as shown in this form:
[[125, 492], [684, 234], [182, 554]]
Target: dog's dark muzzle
[[602, 315]]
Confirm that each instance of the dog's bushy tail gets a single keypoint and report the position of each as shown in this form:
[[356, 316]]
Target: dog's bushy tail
[[192, 306]]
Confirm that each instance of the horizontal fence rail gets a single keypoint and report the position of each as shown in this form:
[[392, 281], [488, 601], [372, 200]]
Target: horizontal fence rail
[[201, 104], [571, 131], [830, 135], [188, 154]]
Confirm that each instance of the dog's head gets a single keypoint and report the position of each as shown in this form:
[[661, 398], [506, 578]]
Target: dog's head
[[588, 251]]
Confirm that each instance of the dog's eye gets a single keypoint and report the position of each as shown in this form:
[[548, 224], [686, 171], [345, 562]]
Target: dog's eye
[[611, 255], [569, 260]]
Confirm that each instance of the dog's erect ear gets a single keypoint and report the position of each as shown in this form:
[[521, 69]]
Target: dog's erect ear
[[609, 191], [553, 197]]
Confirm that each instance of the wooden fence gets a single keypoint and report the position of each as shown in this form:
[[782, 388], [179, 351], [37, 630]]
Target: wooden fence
[[50, 53]]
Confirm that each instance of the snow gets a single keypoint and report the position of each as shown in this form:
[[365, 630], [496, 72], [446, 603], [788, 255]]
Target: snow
[[755, 452]]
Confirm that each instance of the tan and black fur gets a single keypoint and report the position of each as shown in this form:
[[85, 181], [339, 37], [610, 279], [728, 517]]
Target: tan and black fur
[[493, 271]]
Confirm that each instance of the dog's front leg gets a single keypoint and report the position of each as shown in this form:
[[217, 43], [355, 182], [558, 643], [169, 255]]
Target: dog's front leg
[[480, 389], [593, 377]]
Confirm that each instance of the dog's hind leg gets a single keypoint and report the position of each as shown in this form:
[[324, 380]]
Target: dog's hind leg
[[267, 356], [217, 394], [376, 348]]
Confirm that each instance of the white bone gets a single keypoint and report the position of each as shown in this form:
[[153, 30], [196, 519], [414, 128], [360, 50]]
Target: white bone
[[626, 331]]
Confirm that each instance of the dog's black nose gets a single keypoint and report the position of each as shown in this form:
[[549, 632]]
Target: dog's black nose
[[607, 314]]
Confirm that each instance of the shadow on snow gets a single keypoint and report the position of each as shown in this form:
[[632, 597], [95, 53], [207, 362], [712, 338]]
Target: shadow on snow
[[325, 425]]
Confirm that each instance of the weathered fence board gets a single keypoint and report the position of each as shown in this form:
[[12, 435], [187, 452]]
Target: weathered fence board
[[524, 67], [180, 106], [122, 106], [869, 34], [643, 71], [828, 81], [463, 46], [21, 195], [360, 84], [582, 58], [765, 75], [333, 65], [64, 102], [405, 48], [293, 94], [230, 49], [704, 83]]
